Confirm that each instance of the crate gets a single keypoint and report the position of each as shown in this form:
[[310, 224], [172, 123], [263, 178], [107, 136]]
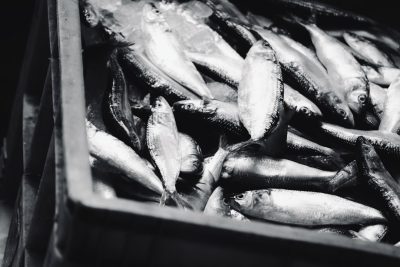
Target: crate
[[67, 224]]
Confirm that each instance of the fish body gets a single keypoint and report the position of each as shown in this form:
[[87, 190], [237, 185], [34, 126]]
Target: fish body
[[261, 82], [378, 97], [307, 152], [222, 115], [142, 71], [237, 35], [386, 143], [190, 154], [391, 114], [118, 111], [378, 179], [343, 69], [121, 157], [301, 104], [368, 50], [252, 171], [163, 143], [164, 50], [374, 233], [221, 68], [383, 76], [304, 208], [198, 196], [313, 82], [223, 92]]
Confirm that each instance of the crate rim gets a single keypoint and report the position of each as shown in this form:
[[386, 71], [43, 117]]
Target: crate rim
[[76, 161]]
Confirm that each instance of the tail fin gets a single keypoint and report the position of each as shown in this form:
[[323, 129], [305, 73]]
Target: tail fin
[[346, 177], [172, 199]]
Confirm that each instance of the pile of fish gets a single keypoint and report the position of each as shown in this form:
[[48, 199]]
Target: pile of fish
[[289, 117]]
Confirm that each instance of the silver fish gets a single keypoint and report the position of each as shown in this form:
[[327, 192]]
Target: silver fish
[[301, 104], [304, 208], [164, 50], [368, 50], [191, 155], [261, 81], [218, 205], [381, 75], [343, 69], [373, 233], [378, 97], [163, 143], [391, 115], [314, 82], [374, 174], [223, 92], [387, 143], [117, 154], [251, 170]]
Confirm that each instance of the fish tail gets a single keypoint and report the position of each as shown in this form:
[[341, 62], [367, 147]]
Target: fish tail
[[172, 199], [346, 177]]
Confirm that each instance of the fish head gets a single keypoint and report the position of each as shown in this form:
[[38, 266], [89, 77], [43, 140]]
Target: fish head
[[243, 201], [160, 104], [310, 112], [358, 96], [262, 49], [195, 107], [151, 14], [341, 110]]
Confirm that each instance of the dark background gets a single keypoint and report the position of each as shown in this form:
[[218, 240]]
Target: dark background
[[15, 17]]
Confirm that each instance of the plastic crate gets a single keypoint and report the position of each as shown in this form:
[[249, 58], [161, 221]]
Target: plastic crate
[[93, 231], [67, 224]]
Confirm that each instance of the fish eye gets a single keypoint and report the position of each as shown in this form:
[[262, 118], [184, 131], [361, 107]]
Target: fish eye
[[362, 98], [189, 106], [239, 197], [305, 110], [342, 113]]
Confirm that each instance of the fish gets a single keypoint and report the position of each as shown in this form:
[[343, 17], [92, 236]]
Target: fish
[[343, 69], [143, 72], [115, 153], [309, 153], [210, 53], [391, 114], [304, 208], [198, 195], [220, 68], [307, 52], [321, 11], [261, 81], [379, 181], [103, 186], [378, 97], [169, 57], [385, 143], [368, 50], [122, 124], [313, 82], [252, 170], [221, 115], [223, 92], [236, 34], [190, 154], [163, 145], [218, 205], [337, 231], [374, 233], [302, 106], [259, 20], [383, 76]]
